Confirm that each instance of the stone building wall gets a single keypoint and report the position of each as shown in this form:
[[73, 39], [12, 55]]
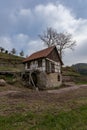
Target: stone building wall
[[45, 80], [53, 80], [41, 80]]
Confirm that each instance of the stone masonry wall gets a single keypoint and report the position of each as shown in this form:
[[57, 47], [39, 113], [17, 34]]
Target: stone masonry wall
[[41, 80], [48, 80], [52, 80]]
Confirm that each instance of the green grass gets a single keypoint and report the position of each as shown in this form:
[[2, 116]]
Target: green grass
[[81, 82], [74, 75], [8, 78], [80, 79], [71, 120], [11, 62], [30, 110], [9, 68], [10, 56], [70, 73]]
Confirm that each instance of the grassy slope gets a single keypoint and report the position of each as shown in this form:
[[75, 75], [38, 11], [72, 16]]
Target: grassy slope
[[81, 68], [76, 76], [13, 60], [72, 120], [10, 56]]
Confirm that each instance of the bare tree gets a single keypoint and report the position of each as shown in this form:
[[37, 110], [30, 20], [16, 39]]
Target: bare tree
[[6, 51], [61, 40], [48, 37], [21, 53], [64, 41], [13, 51], [2, 49]]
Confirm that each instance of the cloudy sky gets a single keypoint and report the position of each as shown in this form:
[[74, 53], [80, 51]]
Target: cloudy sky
[[21, 21]]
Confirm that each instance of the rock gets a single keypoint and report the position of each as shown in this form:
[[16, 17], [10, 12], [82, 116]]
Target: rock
[[2, 82]]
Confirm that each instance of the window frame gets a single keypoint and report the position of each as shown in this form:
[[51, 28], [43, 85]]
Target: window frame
[[39, 62]]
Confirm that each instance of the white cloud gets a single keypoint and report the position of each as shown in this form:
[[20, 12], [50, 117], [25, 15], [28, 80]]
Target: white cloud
[[33, 46], [25, 12], [56, 16], [21, 18], [53, 15], [21, 38]]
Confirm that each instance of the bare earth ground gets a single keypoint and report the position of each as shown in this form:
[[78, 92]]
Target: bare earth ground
[[17, 100]]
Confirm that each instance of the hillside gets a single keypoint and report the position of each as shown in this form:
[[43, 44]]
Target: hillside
[[70, 74], [9, 62], [80, 68], [70, 71]]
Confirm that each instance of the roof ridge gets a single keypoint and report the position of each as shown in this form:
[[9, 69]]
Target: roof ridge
[[43, 49], [39, 54]]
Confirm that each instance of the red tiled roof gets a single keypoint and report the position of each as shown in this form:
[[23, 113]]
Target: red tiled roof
[[40, 54]]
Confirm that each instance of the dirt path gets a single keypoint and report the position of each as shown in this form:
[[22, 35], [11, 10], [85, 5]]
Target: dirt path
[[61, 90], [13, 99], [57, 91], [7, 92]]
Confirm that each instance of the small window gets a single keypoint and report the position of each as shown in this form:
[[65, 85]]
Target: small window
[[40, 63], [28, 65], [52, 67], [58, 77], [48, 66], [33, 62]]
